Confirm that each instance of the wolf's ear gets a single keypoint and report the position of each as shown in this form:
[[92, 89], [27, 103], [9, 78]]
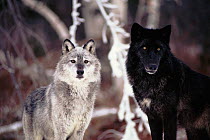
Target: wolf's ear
[[136, 32], [90, 46], [165, 33], [67, 46]]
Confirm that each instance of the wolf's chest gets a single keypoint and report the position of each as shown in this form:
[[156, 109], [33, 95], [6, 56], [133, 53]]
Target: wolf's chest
[[149, 105], [155, 101], [72, 104], [77, 106]]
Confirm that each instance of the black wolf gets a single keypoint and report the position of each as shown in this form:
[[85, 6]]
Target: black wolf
[[166, 89]]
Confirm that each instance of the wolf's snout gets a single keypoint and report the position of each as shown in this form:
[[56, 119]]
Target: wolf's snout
[[152, 67], [80, 72]]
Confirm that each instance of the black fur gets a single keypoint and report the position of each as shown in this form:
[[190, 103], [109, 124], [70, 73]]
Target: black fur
[[178, 94]]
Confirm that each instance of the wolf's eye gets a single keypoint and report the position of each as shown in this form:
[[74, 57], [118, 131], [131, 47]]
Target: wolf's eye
[[158, 49], [73, 61], [86, 61], [144, 48]]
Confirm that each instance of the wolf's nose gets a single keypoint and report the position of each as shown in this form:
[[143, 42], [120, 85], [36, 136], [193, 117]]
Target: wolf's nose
[[80, 72], [153, 67]]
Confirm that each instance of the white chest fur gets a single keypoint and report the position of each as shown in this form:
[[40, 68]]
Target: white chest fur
[[146, 102]]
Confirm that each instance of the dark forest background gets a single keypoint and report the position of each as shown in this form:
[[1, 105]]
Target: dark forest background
[[30, 48]]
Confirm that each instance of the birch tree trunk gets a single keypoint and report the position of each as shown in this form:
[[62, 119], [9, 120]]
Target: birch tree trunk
[[93, 21], [153, 13]]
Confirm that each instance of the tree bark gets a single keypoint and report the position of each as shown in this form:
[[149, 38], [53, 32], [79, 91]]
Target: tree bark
[[153, 13]]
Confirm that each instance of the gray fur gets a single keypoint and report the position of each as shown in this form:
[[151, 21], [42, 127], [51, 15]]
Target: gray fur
[[63, 109]]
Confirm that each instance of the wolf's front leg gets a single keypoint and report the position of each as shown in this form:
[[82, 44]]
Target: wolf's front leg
[[170, 126], [77, 135], [79, 131], [60, 136], [60, 132], [156, 127]]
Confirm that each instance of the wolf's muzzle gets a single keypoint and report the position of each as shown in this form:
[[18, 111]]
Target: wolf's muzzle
[[151, 69], [80, 74]]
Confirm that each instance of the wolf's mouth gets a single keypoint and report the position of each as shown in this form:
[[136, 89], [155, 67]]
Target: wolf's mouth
[[151, 68], [80, 76], [150, 71]]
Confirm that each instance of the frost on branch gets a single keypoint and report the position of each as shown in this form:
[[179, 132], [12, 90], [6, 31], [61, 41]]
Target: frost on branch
[[76, 20], [117, 58]]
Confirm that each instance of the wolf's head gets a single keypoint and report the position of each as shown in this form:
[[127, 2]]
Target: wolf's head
[[150, 45], [78, 63]]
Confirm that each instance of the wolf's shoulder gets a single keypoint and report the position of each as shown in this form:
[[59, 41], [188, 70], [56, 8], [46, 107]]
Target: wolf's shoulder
[[36, 97]]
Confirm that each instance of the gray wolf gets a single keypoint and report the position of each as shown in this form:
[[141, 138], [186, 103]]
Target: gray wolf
[[63, 109], [166, 89]]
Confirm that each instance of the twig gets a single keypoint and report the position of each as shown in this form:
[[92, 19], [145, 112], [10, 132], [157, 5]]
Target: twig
[[104, 111], [76, 21], [12, 75], [6, 34], [19, 27], [36, 36]]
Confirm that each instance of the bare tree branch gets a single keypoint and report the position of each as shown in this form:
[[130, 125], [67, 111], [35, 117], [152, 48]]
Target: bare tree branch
[[12, 75], [9, 38], [117, 58], [50, 16], [11, 127], [24, 39], [76, 20], [37, 37], [104, 111]]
